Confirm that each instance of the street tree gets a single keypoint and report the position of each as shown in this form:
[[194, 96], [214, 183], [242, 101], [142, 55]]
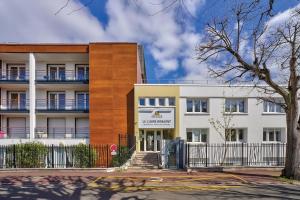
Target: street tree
[[249, 44]]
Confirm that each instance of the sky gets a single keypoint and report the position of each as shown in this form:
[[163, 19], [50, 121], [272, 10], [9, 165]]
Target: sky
[[169, 36]]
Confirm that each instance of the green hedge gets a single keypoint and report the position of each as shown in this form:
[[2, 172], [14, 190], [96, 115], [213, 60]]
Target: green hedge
[[84, 156], [27, 155], [122, 156]]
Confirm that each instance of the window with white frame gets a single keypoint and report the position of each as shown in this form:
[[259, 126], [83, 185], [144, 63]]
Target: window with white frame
[[156, 101], [272, 135], [197, 135], [235, 135], [235, 105], [196, 105], [142, 101], [273, 107]]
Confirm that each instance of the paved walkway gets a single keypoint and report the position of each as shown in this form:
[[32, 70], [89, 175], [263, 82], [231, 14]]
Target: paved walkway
[[157, 184]]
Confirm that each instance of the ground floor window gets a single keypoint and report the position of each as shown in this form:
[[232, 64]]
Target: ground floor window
[[197, 135], [235, 135], [272, 135]]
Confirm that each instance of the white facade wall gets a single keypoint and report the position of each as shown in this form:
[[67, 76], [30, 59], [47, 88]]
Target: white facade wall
[[36, 69], [254, 120]]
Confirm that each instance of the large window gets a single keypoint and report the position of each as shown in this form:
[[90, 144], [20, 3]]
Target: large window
[[196, 105], [235, 135], [197, 135], [17, 100], [272, 135], [56, 100], [82, 72], [273, 107], [82, 100], [16, 72], [56, 72], [235, 105]]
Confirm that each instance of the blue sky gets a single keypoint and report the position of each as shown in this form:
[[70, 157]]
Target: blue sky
[[169, 41]]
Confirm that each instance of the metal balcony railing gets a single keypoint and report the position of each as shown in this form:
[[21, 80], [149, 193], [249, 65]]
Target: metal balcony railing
[[12, 75], [62, 132], [62, 105], [61, 76], [14, 133], [14, 105]]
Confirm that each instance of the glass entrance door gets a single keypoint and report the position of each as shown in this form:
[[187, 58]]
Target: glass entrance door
[[150, 140]]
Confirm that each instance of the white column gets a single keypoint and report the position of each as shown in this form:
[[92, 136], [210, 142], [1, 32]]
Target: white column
[[32, 117]]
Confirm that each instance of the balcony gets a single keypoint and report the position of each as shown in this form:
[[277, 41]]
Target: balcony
[[14, 133], [14, 106], [62, 133], [15, 77], [61, 77], [62, 106]]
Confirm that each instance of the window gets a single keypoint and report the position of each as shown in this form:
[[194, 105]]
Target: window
[[82, 100], [161, 101], [196, 105], [17, 100], [142, 102], [273, 107], [272, 135], [56, 100], [56, 72], [16, 72], [171, 101], [235, 135], [197, 135], [235, 105], [82, 72], [151, 101]]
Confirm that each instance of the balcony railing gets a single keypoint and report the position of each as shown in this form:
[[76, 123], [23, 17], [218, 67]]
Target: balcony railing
[[62, 132], [13, 76], [15, 105], [61, 76], [14, 133], [62, 105]]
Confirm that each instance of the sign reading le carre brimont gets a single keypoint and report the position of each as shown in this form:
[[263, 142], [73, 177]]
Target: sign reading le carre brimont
[[156, 117]]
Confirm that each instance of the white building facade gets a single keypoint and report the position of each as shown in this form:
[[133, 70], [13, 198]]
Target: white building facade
[[44, 97], [252, 120]]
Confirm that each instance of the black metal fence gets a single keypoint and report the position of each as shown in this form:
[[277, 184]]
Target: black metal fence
[[241, 154], [37, 155]]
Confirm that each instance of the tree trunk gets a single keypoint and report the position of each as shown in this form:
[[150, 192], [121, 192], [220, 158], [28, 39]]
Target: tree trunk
[[292, 161]]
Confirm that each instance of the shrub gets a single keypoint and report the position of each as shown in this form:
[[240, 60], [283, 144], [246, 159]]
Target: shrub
[[122, 156], [84, 156], [27, 155]]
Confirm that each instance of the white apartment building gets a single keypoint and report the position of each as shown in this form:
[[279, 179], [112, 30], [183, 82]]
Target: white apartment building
[[44, 96], [195, 106]]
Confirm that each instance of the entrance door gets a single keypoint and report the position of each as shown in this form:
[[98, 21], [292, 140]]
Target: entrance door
[[150, 140]]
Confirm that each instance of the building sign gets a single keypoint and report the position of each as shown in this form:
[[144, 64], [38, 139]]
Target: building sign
[[156, 118]]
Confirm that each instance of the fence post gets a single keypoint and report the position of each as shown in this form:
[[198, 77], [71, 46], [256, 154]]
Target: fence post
[[52, 155], [242, 153], [14, 156], [206, 155], [119, 151], [90, 165], [107, 150]]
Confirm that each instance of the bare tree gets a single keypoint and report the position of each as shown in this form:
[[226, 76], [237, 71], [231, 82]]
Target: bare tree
[[252, 48], [223, 127]]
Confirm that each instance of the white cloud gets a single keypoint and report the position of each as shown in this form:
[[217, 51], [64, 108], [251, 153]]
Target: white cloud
[[170, 44]]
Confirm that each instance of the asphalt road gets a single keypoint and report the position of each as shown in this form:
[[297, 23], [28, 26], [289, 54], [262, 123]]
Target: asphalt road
[[144, 186]]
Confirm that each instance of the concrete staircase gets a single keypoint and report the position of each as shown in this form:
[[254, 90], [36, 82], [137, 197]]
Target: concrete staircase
[[148, 160]]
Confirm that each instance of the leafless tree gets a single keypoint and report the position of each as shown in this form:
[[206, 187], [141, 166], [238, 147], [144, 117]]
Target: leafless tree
[[223, 127], [245, 45]]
